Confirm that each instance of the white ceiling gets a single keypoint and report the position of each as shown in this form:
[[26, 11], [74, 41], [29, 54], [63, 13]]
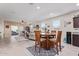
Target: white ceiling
[[29, 12]]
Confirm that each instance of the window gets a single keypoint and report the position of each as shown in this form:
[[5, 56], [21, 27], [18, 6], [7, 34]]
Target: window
[[14, 28], [56, 23], [43, 25]]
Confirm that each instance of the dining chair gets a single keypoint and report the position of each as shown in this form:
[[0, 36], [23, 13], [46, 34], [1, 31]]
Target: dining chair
[[57, 41], [53, 34], [37, 39], [53, 31]]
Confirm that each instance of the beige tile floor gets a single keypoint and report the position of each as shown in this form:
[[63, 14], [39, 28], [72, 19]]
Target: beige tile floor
[[69, 50], [15, 47]]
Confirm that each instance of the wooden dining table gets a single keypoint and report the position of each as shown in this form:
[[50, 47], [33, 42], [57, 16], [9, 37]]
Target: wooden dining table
[[47, 43]]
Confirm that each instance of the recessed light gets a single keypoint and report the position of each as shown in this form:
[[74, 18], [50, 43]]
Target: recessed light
[[51, 14], [38, 7], [77, 4]]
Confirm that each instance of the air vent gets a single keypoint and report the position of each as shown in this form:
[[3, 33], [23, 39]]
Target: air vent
[[31, 3]]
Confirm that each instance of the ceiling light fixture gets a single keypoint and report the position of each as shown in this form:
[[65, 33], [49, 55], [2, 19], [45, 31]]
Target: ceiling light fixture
[[51, 14], [77, 4], [38, 7]]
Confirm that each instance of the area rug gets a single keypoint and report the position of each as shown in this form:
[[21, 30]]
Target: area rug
[[43, 52]]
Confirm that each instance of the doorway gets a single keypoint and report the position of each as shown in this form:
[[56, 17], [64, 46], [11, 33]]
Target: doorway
[[14, 32]]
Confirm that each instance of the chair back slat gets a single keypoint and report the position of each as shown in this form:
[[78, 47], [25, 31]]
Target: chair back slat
[[59, 36], [37, 36]]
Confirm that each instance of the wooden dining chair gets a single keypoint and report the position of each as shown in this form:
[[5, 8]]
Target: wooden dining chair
[[37, 39], [57, 41], [53, 32]]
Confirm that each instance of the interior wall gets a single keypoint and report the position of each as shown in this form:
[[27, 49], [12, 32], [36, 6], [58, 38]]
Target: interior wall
[[64, 26], [2, 28], [7, 31]]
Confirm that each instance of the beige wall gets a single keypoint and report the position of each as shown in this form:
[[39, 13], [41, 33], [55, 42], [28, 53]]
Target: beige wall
[[64, 19], [2, 27], [6, 32]]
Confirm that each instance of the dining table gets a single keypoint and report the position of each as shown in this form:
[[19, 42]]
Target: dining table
[[47, 43]]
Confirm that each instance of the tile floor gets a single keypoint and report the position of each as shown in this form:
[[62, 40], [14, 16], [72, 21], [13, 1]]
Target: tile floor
[[15, 47]]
